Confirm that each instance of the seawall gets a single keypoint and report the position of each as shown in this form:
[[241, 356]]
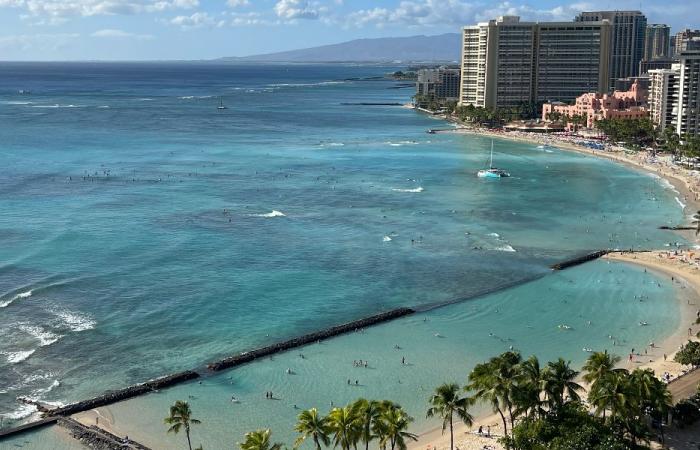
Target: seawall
[[246, 357]]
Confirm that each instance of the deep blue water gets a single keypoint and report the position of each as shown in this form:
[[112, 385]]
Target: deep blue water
[[144, 231]]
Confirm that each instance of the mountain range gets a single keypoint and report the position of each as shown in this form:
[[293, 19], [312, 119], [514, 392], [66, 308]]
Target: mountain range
[[443, 48]]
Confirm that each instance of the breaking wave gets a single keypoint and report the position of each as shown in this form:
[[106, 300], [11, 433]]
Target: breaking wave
[[76, 322], [274, 213], [415, 190], [6, 303]]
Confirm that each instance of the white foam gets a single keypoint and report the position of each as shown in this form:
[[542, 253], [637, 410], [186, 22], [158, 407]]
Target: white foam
[[496, 235], [103, 107], [21, 295], [57, 106], [387, 239], [274, 213], [17, 357], [416, 190], [682, 205], [505, 248], [22, 412], [15, 103], [44, 337], [76, 322], [663, 182], [186, 97]]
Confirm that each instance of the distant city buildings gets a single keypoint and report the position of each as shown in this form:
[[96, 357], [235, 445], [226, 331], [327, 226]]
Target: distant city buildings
[[594, 106], [646, 65], [686, 40], [506, 62], [627, 41], [675, 95], [440, 85], [657, 42]]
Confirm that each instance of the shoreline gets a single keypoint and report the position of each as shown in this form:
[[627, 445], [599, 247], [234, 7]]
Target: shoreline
[[688, 279], [684, 182]]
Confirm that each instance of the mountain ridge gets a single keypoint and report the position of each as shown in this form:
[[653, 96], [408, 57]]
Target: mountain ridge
[[420, 48]]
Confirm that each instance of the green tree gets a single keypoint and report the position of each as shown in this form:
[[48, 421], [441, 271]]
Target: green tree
[[367, 412], [345, 427], [559, 384], [447, 403], [311, 424], [689, 354], [392, 427], [259, 440], [181, 417]]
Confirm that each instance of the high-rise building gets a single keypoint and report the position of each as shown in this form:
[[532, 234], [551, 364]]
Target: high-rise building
[[675, 95], [506, 62], [657, 41], [663, 96], [627, 40], [646, 65], [686, 39], [438, 84]]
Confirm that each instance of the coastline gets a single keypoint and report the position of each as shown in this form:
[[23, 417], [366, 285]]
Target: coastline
[[659, 358], [686, 182]]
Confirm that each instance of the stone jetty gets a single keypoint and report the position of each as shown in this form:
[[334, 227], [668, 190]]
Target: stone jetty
[[579, 260], [97, 438], [123, 394], [246, 357]]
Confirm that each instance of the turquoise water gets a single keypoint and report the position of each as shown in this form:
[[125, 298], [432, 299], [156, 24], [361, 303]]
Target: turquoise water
[[470, 332], [139, 232]]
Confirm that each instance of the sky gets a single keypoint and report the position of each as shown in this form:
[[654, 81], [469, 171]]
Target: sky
[[38, 30]]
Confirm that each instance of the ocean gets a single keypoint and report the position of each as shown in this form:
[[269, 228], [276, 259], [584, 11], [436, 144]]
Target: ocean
[[144, 231]]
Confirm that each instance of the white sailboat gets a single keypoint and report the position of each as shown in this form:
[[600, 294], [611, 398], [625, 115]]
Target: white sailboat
[[221, 104], [492, 172]]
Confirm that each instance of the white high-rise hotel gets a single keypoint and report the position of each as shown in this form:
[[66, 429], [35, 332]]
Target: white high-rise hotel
[[674, 97], [506, 62]]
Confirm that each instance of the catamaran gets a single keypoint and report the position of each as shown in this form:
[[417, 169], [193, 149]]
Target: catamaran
[[221, 104], [492, 172]]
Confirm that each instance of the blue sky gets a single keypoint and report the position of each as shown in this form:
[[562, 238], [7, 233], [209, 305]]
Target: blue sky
[[203, 29]]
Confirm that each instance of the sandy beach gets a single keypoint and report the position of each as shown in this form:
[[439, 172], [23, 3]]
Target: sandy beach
[[686, 182]]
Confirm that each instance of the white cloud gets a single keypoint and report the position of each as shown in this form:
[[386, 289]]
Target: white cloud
[[296, 9], [237, 3], [197, 20], [120, 34], [65, 8]]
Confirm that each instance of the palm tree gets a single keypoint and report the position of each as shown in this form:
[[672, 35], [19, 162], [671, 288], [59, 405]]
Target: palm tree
[[598, 365], [394, 427], [559, 384], [367, 411], [611, 393], [344, 425], [446, 402], [259, 440], [486, 388], [311, 424], [526, 396], [181, 417]]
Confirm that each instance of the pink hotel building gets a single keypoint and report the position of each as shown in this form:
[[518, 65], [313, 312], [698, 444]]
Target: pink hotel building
[[594, 106]]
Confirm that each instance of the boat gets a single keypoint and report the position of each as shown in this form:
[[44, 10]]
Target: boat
[[492, 172], [221, 104]]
